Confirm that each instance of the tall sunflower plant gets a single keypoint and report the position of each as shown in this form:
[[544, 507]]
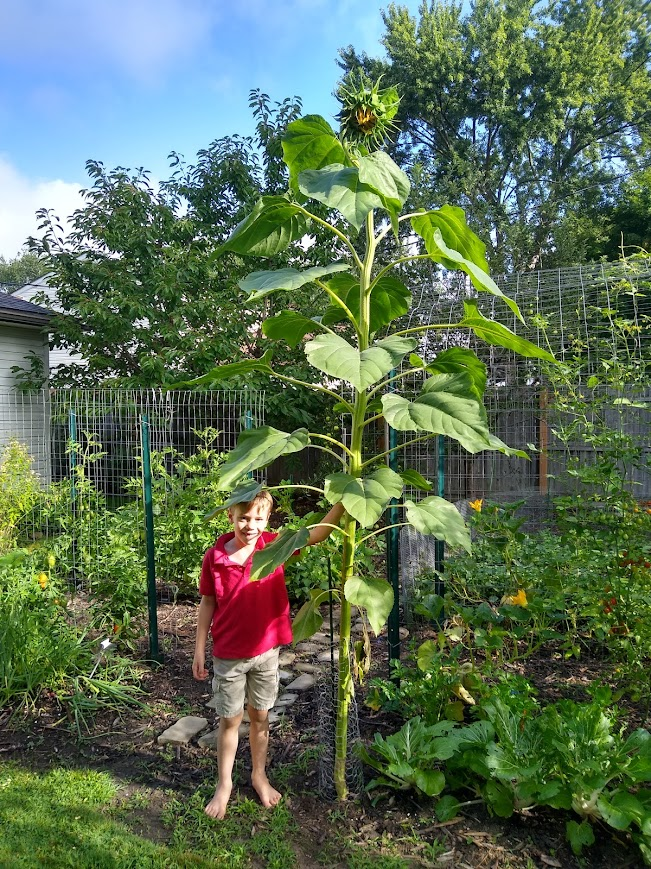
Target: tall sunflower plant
[[362, 353]]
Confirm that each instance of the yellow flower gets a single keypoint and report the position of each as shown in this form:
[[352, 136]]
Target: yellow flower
[[476, 505], [51, 561], [42, 579], [519, 599]]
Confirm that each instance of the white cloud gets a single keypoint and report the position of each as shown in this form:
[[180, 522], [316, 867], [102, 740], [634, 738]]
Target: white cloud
[[22, 197]]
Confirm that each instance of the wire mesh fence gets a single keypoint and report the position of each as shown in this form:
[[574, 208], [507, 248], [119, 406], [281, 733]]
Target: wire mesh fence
[[81, 453]]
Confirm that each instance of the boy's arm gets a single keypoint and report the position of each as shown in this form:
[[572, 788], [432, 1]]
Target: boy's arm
[[204, 620], [323, 530]]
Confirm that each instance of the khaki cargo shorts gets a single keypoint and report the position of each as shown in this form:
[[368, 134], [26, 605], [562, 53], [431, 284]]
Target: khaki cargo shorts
[[252, 679]]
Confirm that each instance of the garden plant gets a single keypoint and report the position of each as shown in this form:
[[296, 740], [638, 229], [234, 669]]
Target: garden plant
[[361, 349]]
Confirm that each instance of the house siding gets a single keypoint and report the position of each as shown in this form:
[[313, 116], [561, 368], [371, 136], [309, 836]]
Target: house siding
[[23, 416]]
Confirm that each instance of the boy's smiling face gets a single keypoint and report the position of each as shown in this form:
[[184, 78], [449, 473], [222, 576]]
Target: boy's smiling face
[[249, 521]]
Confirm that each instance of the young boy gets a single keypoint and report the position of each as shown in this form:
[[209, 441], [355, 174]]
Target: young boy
[[248, 621]]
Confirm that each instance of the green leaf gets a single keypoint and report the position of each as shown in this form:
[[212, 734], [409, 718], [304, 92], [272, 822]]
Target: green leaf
[[498, 335], [415, 480], [271, 226], [447, 404], [266, 560], [447, 808], [257, 448], [310, 143], [333, 355], [373, 595], [379, 172], [579, 835], [364, 498], [430, 781], [339, 187], [390, 299], [498, 798], [500, 447], [259, 284], [11, 559], [289, 326], [308, 619], [456, 359], [242, 494], [440, 518], [227, 372], [449, 241]]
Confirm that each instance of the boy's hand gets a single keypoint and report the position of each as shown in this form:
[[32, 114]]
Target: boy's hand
[[199, 667]]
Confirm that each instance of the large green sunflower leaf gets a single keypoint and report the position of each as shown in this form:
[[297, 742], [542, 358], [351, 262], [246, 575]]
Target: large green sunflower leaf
[[266, 560], [339, 187], [333, 355], [364, 498], [373, 595], [257, 448], [497, 334], [440, 518], [447, 404], [259, 284], [271, 226], [310, 143]]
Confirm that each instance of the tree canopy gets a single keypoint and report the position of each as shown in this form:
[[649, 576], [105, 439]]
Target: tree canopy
[[526, 114], [21, 269], [142, 298]]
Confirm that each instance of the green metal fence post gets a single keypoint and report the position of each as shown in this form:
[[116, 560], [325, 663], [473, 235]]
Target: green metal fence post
[[72, 440], [154, 649], [439, 551], [393, 554]]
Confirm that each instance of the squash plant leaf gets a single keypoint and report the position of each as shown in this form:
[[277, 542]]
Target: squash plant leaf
[[242, 494], [257, 448], [308, 619], [229, 371], [447, 404], [365, 498], [333, 355], [310, 143], [271, 226], [579, 835], [449, 241], [289, 326], [266, 560], [498, 335], [339, 187], [440, 518], [373, 595], [259, 284]]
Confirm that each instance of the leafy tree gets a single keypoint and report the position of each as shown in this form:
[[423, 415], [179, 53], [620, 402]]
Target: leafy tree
[[366, 358], [523, 112], [142, 298], [21, 269]]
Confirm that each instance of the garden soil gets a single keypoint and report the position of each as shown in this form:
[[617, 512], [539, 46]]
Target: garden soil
[[126, 747]]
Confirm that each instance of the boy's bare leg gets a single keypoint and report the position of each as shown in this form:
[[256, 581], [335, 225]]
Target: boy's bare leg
[[227, 739], [259, 741]]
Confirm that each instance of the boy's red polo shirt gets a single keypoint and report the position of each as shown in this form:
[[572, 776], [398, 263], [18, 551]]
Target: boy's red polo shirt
[[250, 617]]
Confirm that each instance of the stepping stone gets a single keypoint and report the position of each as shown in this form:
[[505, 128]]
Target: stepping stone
[[182, 732], [329, 656], [404, 633], [308, 648], [208, 740], [320, 637], [285, 675], [304, 681], [287, 699], [286, 659], [306, 668]]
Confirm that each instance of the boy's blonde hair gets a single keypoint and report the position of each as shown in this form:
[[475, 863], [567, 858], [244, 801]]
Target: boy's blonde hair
[[263, 497]]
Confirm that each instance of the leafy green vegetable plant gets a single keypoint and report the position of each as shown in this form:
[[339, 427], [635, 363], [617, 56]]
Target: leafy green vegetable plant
[[361, 351]]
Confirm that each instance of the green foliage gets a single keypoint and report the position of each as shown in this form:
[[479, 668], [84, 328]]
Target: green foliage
[[521, 113], [19, 491], [567, 756], [22, 269]]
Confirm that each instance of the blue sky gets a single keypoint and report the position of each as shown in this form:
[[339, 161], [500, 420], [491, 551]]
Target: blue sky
[[128, 81]]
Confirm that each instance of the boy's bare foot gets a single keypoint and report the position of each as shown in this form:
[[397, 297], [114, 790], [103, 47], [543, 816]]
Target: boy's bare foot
[[216, 808], [269, 796]]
